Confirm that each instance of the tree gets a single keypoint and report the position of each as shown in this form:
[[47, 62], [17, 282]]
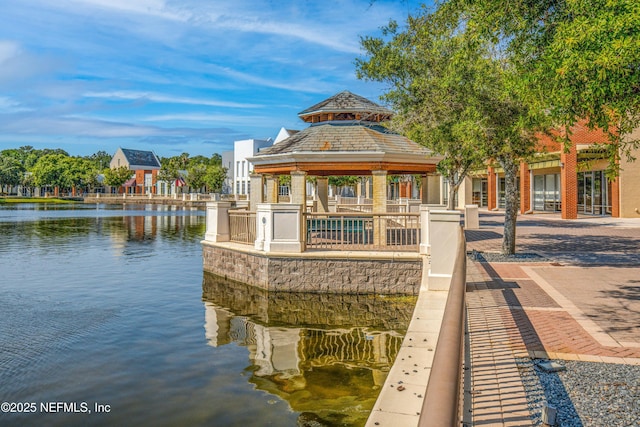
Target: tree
[[437, 84], [576, 60], [11, 171], [456, 96], [100, 159], [215, 177], [196, 173], [80, 173], [171, 167], [116, 177], [49, 170]]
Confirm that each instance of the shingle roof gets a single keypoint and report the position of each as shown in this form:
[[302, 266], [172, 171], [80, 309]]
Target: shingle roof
[[345, 102], [347, 136], [141, 158]]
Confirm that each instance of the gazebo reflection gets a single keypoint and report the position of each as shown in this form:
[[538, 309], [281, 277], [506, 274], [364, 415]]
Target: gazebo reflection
[[325, 354]]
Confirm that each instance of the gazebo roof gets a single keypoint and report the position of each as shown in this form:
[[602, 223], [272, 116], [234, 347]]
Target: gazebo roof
[[346, 147], [349, 106]]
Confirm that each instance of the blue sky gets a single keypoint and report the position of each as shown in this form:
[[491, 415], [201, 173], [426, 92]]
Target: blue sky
[[175, 76]]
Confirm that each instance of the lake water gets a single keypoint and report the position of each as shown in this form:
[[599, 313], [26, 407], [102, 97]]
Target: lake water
[[106, 318]]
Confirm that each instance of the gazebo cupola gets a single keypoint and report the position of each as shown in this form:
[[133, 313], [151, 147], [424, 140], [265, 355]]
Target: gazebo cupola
[[345, 106]]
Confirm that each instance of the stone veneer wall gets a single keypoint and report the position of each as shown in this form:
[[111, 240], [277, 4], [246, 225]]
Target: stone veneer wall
[[313, 310], [309, 273]]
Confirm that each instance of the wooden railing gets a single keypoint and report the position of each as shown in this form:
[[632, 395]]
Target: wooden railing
[[242, 226], [442, 402], [355, 231]]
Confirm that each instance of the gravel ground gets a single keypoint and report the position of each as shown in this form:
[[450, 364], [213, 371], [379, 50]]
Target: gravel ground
[[498, 257], [586, 394]]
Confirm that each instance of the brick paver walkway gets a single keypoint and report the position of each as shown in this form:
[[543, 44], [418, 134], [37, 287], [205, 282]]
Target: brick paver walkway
[[582, 303]]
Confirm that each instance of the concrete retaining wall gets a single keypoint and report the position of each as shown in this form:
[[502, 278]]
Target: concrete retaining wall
[[319, 272]]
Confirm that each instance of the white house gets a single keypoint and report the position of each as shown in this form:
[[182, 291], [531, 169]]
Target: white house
[[242, 167]]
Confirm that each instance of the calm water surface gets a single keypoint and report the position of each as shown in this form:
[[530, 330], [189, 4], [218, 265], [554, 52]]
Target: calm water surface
[[108, 305]]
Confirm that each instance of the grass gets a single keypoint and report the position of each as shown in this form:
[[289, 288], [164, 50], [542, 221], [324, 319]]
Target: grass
[[33, 200]]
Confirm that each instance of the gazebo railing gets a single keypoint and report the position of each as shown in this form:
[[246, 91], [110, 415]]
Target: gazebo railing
[[356, 231], [242, 226], [391, 208]]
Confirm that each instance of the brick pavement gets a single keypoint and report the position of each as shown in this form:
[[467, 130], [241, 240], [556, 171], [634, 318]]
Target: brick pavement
[[581, 303]]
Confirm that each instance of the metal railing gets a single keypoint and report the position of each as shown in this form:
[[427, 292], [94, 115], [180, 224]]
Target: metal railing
[[355, 231], [391, 208], [242, 226], [442, 402]]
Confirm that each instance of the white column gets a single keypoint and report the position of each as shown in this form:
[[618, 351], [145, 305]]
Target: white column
[[471, 218], [444, 229], [217, 222], [425, 235], [279, 228]]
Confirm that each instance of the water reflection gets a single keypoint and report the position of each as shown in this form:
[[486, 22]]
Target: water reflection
[[69, 225], [327, 355]]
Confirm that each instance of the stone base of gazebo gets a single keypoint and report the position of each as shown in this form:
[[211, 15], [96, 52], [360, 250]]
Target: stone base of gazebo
[[346, 272]]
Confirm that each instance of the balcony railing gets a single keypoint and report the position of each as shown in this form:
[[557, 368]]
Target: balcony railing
[[242, 226], [357, 231]]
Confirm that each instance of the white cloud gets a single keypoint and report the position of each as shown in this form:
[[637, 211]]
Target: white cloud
[[156, 8], [8, 105], [8, 50], [154, 97]]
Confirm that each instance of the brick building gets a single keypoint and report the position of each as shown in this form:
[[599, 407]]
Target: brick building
[[144, 165], [572, 183]]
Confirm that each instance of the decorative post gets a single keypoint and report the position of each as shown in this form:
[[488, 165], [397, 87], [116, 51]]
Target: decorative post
[[217, 222], [444, 228], [425, 235], [279, 228]]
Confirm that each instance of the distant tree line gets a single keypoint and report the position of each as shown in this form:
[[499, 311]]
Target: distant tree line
[[30, 168]]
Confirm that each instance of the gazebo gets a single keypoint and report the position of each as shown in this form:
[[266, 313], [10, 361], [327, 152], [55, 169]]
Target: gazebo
[[345, 137], [292, 246]]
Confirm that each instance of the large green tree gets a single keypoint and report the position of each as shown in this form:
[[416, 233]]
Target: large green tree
[[214, 177], [454, 94], [11, 171], [116, 177], [437, 82], [576, 59], [50, 170]]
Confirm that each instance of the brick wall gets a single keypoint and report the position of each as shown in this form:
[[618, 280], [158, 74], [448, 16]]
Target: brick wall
[[525, 188], [569, 183]]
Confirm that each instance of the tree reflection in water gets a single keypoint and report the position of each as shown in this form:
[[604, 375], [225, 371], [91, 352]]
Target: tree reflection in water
[[327, 355]]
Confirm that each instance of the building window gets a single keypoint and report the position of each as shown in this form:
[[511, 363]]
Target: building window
[[238, 168], [243, 162], [243, 188], [237, 187]]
